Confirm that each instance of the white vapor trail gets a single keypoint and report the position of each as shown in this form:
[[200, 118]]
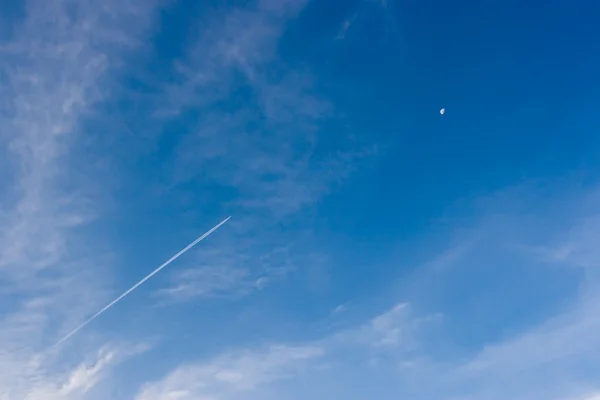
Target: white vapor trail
[[150, 275]]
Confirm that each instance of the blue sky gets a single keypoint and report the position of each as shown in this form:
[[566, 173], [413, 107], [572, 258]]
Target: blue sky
[[376, 249]]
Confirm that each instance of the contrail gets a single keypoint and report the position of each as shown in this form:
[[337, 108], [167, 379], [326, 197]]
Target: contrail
[[150, 275]]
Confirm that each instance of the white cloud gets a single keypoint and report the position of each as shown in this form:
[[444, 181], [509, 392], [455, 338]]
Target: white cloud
[[209, 281], [76, 383], [56, 69], [542, 362], [390, 329], [595, 396], [79, 381], [577, 248], [555, 359], [226, 270], [397, 328], [264, 147], [345, 27], [339, 309], [231, 375], [58, 76], [251, 373]]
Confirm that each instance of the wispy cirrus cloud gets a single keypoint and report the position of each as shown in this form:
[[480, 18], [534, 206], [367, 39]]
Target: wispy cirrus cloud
[[591, 397], [58, 77], [345, 27], [392, 329], [210, 282], [576, 247], [75, 383], [265, 139], [58, 61], [257, 136], [252, 373], [552, 357], [402, 352], [253, 129], [235, 267], [232, 376]]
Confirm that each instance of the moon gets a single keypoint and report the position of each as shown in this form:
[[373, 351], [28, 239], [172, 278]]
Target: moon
[[442, 111]]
